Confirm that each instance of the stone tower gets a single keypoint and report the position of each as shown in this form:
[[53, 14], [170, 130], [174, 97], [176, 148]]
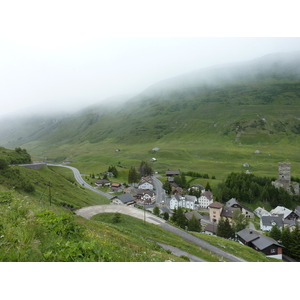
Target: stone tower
[[284, 173]]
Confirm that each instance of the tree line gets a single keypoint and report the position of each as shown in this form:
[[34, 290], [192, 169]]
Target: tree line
[[290, 240], [144, 170], [250, 188]]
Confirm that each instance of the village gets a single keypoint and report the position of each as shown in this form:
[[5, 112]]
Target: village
[[149, 193]]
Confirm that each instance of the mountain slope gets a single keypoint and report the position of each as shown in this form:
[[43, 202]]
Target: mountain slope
[[221, 108]]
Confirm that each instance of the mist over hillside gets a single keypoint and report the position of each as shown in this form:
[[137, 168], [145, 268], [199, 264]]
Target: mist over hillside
[[248, 102], [271, 66]]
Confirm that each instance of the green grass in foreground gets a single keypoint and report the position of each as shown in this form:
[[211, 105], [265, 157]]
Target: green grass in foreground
[[139, 232], [137, 229], [34, 231]]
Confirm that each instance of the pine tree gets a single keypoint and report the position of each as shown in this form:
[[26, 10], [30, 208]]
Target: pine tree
[[167, 187], [156, 211], [208, 187], [133, 176], [193, 224], [166, 216], [224, 228], [174, 215], [145, 169], [286, 240], [275, 233], [183, 183], [295, 244], [181, 219]]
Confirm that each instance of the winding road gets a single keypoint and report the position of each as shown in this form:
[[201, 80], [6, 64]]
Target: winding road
[[79, 179], [88, 212]]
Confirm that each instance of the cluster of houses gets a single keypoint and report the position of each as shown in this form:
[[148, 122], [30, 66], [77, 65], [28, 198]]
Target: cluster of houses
[[279, 216], [142, 193]]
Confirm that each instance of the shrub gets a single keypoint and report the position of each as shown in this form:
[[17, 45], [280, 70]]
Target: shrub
[[116, 218]]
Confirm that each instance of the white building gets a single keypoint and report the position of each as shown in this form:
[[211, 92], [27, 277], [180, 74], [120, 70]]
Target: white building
[[146, 183], [280, 210], [182, 201], [205, 199]]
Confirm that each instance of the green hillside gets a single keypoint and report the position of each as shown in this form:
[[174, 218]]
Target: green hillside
[[38, 224], [211, 120], [32, 230]]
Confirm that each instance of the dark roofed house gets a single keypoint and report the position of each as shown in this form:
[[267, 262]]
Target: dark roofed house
[[197, 186], [189, 215], [210, 229], [260, 242], [102, 182], [124, 199], [172, 173], [245, 210], [227, 212]]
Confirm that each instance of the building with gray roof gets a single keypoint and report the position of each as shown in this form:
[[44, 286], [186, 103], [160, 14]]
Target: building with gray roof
[[267, 222], [124, 199], [260, 242]]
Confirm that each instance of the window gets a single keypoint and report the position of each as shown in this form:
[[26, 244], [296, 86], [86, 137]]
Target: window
[[272, 250]]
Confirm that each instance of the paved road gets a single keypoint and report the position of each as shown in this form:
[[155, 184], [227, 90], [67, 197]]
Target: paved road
[[178, 252], [82, 182], [88, 212], [160, 192], [160, 195], [195, 240]]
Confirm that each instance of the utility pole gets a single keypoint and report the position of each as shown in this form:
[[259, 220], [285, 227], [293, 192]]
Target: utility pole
[[50, 192]]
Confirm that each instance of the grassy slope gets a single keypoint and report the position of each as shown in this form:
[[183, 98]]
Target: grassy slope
[[131, 240], [63, 190], [137, 229], [208, 132]]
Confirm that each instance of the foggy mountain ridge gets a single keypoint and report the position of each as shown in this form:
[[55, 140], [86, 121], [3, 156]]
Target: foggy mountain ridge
[[282, 65], [122, 116]]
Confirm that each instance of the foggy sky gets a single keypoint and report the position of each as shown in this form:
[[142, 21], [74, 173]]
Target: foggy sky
[[63, 59]]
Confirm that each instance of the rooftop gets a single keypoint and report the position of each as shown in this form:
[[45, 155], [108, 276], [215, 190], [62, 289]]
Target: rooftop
[[216, 204]]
